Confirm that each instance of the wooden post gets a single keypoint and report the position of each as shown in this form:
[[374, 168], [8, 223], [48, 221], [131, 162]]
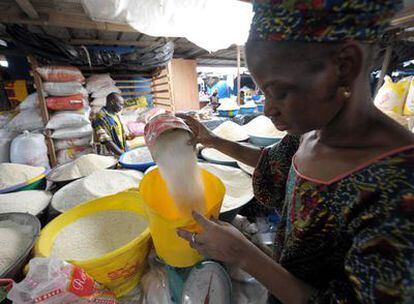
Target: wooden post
[[238, 75], [384, 69], [43, 110]]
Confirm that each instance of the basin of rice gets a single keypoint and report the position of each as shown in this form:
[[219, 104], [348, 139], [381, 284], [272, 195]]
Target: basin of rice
[[32, 201], [98, 184], [14, 174], [137, 156], [215, 156], [262, 126], [81, 167], [15, 240], [239, 189], [246, 168], [231, 131], [97, 234]]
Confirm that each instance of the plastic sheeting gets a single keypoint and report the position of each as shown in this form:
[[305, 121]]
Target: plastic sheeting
[[211, 24]]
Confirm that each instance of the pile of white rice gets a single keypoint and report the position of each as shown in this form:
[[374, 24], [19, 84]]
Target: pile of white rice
[[81, 167], [14, 240], [97, 234], [262, 126], [98, 184], [138, 156], [13, 174], [214, 155], [32, 201], [231, 131]]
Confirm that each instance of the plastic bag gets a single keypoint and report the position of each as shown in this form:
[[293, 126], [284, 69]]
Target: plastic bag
[[97, 81], [61, 144], [65, 133], [68, 119], [30, 102], [60, 74], [5, 141], [409, 101], [67, 155], [29, 149], [53, 281], [26, 120], [64, 88], [392, 95], [73, 102]]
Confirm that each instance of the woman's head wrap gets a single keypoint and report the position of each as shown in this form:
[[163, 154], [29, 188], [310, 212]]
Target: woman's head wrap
[[321, 20]]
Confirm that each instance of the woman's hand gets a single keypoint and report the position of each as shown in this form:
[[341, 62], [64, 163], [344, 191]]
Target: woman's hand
[[219, 241], [202, 135]]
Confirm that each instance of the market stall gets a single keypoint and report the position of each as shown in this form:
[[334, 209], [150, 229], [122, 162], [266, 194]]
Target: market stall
[[88, 226]]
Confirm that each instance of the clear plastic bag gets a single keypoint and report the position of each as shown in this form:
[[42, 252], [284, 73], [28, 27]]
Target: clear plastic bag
[[30, 120], [29, 149], [53, 281]]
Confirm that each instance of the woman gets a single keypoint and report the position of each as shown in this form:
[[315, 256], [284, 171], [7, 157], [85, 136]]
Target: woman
[[342, 180]]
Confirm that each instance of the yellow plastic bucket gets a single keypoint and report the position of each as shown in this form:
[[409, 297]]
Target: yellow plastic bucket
[[119, 270], [164, 218]]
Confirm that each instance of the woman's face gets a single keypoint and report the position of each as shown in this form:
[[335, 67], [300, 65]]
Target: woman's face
[[300, 85]]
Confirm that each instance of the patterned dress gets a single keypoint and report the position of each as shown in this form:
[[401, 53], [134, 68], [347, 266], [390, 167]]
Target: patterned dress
[[351, 239]]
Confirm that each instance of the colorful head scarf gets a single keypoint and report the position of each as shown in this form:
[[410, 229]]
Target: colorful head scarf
[[321, 20]]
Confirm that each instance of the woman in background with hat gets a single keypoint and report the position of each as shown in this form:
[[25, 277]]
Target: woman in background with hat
[[342, 180]]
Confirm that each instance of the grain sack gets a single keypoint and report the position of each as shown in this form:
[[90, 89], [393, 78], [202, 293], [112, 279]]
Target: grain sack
[[6, 138], [60, 74], [29, 120], [97, 81], [391, 96], [61, 144], [14, 240], [67, 155], [81, 167], [65, 133], [262, 126], [30, 102], [31, 201], [73, 102], [68, 119], [99, 102], [15, 174], [231, 131], [105, 91], [6, 117], [29, 149], [98, 184], [177, 162], [97, 234], [64, 88]]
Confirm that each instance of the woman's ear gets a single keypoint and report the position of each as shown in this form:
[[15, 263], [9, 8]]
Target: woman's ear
[[349, 61]]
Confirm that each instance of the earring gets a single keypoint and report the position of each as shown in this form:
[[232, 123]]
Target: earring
[[346, 91]]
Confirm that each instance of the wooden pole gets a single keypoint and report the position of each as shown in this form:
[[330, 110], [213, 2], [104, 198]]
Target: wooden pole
[[384, 69], [238, 75], [43, 110]]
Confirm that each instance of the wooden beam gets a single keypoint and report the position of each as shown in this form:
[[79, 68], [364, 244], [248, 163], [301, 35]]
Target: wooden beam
[[27, 8], [57, 18]]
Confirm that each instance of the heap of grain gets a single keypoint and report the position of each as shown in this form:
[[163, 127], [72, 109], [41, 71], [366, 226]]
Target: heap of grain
[[97, 234], [32, 201], [81, 167], [98, 184], [231, 131], [14, 174], [262, 126]]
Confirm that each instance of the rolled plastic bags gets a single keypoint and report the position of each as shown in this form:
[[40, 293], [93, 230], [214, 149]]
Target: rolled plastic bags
[[60, 74], [29, 149]]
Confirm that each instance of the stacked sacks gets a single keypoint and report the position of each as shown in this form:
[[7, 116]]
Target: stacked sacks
[[67, 98], [99, 86]]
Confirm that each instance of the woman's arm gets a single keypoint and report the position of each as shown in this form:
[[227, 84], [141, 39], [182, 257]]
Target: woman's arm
[[202, 135], [223, 242]]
